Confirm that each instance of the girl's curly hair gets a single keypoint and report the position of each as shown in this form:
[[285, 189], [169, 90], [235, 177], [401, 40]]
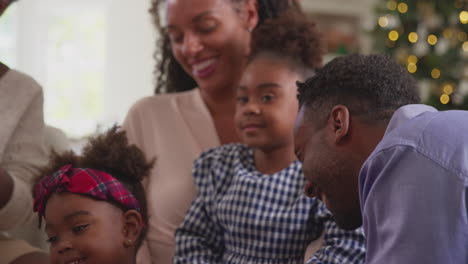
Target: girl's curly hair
[[110, 153], [169, 75], [292, 36]]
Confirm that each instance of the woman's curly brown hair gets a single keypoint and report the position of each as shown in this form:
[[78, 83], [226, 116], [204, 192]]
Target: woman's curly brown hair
[[169, 75], [110, 153], [293, 36]]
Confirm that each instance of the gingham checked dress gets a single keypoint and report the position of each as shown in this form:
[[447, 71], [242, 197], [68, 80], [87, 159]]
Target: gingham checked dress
[[243, 216]]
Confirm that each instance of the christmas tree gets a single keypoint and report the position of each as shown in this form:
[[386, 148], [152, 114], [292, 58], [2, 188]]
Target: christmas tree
[[430, 39]]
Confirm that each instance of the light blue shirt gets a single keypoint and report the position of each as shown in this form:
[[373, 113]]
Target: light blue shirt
[[413, 189]]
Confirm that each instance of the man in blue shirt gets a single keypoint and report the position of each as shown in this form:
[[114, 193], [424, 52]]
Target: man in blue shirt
[[379, 159]]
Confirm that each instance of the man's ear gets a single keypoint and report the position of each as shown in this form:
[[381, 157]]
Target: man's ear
[[132, 227], [251, 14], [339, 123]]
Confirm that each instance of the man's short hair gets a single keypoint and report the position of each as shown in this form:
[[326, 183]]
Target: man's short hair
[[374, 86]]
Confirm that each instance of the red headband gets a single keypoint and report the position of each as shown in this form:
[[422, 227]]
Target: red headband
[[94, 183]]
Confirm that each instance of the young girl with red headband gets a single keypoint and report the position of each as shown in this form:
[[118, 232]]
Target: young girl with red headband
[[94, 205]]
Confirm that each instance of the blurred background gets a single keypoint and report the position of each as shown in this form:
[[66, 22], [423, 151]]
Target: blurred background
[[94, 57]]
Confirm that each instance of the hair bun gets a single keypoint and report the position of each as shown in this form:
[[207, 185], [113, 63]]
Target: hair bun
[[110, 152], [292, 35]]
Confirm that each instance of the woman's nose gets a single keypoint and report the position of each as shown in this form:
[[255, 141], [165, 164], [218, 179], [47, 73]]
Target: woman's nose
[[191, 45]]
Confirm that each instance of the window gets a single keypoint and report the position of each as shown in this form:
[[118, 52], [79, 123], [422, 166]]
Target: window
[[8, 29], [93, 58], [75, 69]]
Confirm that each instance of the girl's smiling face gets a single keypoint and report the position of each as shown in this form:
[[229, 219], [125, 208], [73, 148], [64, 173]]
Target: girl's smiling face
[[84, 230], [266, 104]]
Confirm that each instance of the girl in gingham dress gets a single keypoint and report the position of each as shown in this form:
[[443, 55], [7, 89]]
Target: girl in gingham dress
[[250, 206]]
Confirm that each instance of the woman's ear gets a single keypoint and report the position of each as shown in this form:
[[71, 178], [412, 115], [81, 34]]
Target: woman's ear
[[132, 227], [251, 14]]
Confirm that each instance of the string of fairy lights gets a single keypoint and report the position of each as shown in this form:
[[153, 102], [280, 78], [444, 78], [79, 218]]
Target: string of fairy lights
[[425, 38]]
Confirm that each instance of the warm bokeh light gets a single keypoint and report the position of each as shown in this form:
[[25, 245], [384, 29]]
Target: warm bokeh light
[[444, 99], [412, 68], [464, 17], [402, 8], [432, 39], [393, 35], [461, 36], [412, 59], [448, 89], [383, 21], [465, 46], [413, 37], [448, 33], [435, 73], [392, 5]]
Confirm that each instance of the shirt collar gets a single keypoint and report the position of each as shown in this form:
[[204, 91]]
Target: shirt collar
[[406, 113]]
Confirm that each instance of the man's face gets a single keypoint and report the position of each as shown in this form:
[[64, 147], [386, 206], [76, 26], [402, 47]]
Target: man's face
[[328, 169]]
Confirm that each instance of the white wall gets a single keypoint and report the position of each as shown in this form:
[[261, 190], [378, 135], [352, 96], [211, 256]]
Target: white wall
[[131, 41], [129, 38]]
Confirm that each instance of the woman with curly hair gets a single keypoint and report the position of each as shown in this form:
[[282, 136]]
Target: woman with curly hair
[[201, 55], [251, 206], [94, 205]]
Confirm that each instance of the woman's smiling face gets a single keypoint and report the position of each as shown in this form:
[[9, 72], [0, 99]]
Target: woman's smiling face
[[210, 39]]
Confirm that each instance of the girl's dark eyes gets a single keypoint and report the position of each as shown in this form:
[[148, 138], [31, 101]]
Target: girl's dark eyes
[[267, 98], [264, 99], [242, 99], [79, 228], [75, 230], [52, 239]]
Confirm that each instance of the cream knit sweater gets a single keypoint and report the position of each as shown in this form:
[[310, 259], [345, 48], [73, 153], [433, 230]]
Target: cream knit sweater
[[22, 152]]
